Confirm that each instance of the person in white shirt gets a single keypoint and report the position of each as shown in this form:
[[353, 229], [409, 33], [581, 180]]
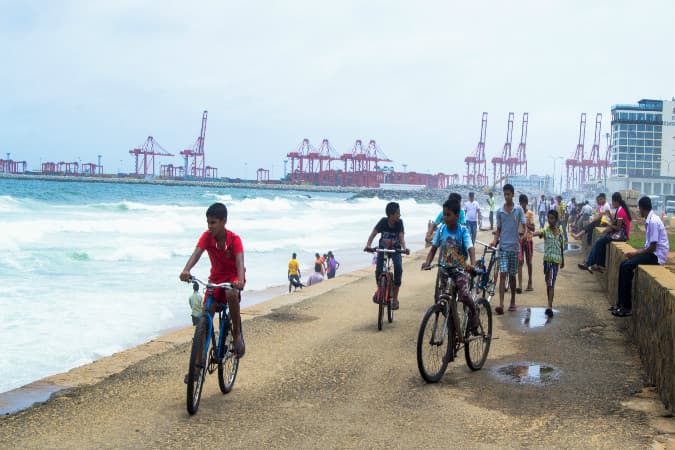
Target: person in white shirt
[[603, 209], [543, 211], [654, 252], [472, 211]]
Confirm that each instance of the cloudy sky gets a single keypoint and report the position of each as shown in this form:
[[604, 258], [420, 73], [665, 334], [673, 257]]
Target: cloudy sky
[[81, 78]]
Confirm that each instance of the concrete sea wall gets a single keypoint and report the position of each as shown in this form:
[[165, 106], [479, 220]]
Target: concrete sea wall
[[652, 325]]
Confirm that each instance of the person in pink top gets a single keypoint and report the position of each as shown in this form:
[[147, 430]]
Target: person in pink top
[[654, 252], [622, 219]]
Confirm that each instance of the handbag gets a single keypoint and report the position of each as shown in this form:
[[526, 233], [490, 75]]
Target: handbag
[[620, 234]]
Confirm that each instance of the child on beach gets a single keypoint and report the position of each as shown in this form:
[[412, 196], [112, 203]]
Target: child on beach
[[510, 229], [554, 256], [392, 236], [439, 218], [196, 303], [455, 242], [226, 253], [526, 247]]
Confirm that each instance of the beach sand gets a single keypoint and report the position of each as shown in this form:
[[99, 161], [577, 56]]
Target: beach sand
[[318, 374]]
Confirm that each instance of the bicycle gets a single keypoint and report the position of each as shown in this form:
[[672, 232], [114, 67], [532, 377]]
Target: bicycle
[[211, 350], [385, 284], [444, 330], [487, 277]]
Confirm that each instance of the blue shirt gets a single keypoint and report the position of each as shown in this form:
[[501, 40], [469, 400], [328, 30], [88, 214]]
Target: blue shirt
[[454, 244]]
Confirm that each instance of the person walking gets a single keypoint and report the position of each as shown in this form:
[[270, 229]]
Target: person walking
[[510, 229], [294, 274], [491, 205], [543, 209], [554, 256], [196, 303], [331, 265], [472, 211]]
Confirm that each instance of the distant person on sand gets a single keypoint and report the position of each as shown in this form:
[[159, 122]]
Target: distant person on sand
[[439, 218], [226, 253], [526, 247], [510, 229], [472, 214], [321, 261], [331, 265], [196, 303], [317, 275], [392, 236], [554, 255], [491, 205], [294, 274]]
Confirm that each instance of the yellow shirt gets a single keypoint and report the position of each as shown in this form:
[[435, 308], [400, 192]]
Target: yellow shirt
[[293, 267]]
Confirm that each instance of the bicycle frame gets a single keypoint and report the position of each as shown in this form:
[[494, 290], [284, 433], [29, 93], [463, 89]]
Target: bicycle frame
[[223, 325]]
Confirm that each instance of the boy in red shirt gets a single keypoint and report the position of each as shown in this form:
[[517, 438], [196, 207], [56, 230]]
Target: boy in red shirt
[[226, 253]]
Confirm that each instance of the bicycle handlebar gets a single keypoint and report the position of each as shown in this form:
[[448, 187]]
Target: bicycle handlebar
[[209, 285], [485, 245], [385, 250]]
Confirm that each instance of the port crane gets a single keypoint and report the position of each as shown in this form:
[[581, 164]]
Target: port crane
[[476, 167], [501, 162], [573, 166], [148, 151], [197, 168]]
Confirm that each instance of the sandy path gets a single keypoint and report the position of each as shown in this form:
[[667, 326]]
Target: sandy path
[[318, 374]]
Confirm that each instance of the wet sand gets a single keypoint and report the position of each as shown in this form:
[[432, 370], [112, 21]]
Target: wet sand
[[318, 374]]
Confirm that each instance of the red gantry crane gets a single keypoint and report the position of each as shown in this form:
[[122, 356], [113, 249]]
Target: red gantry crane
[[573, 166], [148, 150], [196, 169], [501, 161], [300, 154], [591, 167], [476, 167], [519, 164]]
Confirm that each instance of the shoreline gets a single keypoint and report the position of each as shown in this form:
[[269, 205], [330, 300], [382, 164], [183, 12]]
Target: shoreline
[[265, 301]]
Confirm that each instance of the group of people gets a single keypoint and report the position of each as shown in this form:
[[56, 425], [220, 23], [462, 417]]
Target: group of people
[[325, 266], [514, 231]]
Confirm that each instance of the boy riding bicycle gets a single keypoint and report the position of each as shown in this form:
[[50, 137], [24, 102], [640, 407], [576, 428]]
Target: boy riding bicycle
[[226, 253], [392, 236], [455, 242]]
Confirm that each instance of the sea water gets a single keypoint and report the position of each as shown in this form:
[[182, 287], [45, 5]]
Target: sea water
[[90, 269]]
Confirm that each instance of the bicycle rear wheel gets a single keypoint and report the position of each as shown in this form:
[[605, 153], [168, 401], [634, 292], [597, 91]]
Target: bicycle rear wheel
[[198, 363], [476, 347], [229, 362], [381, 299], [435, 343]]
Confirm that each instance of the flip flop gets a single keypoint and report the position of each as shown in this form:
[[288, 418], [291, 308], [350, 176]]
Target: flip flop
[[499, 310], [519, 290], [513, 308], [238, 349], [529, 288]]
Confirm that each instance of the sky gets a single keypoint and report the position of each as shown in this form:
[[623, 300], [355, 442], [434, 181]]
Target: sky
[[80, 78]]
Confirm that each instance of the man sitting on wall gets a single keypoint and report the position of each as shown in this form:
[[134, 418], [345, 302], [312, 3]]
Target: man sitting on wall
[[654, 252]]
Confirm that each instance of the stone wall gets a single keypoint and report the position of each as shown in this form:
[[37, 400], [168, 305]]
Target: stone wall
[[652, 325]]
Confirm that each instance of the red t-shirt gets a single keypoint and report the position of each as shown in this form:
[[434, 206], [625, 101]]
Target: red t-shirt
[[223, 260]]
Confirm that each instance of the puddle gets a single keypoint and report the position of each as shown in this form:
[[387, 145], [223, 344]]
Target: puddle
[[528, 373], [569, 248], [536, 317], [26, 396]]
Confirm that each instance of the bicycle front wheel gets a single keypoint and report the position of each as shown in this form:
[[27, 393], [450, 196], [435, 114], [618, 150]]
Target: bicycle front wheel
[[198, 363], [381, 300], [229, 362], [435, 343], [477, 345]]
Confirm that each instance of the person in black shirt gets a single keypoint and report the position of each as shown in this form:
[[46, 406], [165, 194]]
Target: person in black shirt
[[392, 236]]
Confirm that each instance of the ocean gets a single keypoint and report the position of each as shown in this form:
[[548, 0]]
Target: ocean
[[91, 269]]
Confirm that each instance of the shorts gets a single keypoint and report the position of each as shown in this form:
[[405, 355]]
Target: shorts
[[550, 272], [526, 248], [508, 262], [219, 296]]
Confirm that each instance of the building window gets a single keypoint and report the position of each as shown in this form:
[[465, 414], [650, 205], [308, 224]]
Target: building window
[[666, 189], [657, 188], [648, 188]]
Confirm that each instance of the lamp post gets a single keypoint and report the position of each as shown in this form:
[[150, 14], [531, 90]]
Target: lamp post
[[555, 159]]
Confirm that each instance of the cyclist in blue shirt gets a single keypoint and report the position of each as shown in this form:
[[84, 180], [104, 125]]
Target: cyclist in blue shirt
[[455, 243], [439, 218]]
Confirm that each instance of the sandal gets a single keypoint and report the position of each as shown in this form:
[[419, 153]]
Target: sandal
[[240, 349], [513, 308], [499, 310], [529, 288], [519, 290]]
